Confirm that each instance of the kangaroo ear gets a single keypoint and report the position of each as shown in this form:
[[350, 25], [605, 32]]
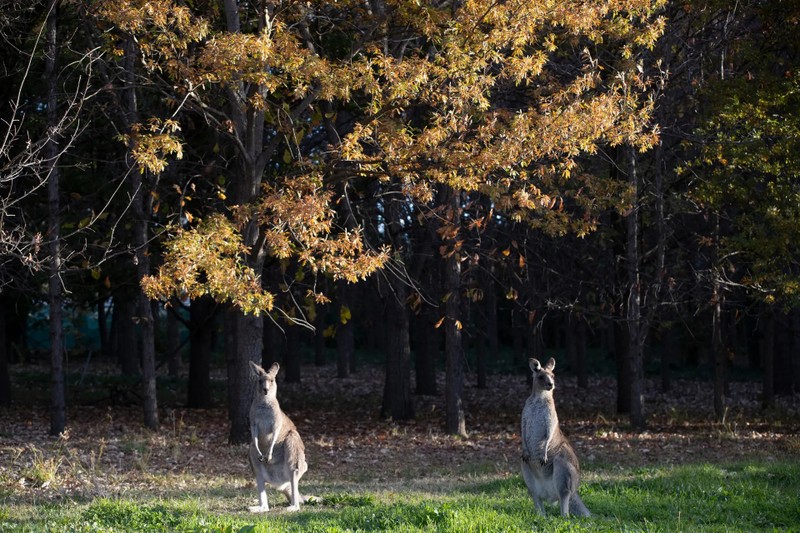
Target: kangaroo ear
[[257, 370], [551, 364], [534, 364], [273, 370]]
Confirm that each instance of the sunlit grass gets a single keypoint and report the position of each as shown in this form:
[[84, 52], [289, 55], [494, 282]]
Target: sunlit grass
[[728, 497]]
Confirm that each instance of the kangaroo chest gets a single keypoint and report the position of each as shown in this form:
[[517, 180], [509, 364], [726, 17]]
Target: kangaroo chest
[[539, 421], [265, 416]]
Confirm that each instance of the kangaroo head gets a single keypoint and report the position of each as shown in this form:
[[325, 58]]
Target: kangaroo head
[[543, 377], [266, 378]]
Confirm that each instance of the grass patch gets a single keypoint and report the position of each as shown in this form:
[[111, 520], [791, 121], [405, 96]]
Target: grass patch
[[706, 497]]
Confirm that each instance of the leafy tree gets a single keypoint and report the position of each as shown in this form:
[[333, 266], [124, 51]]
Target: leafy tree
[[748, 169], [500, 99]]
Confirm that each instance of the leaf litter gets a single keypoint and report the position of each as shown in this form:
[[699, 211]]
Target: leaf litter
[[106, 451]]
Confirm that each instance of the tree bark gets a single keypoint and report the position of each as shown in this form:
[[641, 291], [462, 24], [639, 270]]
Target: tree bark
[[319, 335], [426, 352], [581, 363], [201, 317], [397, 400], [669, 350], [5, 375], [102, 325], [58, 409], [623, 366], [293, 357], [768, 356], [244, 333], [243, 339], [455, 423], [490, 346], [634, 311], [174, 359], [123, 336], [345, 343], [720, 356], [141, 201]]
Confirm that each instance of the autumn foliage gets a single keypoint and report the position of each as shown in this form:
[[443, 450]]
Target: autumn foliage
[[499, 98]]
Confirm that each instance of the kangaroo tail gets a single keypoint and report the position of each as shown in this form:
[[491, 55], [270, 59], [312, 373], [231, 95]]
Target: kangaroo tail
[[576, 506]]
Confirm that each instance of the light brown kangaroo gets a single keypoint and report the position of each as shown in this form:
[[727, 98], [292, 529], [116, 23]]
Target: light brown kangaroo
[[549, 464], [274, 433]]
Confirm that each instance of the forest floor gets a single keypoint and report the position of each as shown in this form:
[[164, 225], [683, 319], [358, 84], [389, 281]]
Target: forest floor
[[107, 452]]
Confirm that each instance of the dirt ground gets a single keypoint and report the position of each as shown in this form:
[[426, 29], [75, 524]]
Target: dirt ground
[[106, 450]]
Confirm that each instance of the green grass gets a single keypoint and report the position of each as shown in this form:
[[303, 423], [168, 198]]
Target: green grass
[[729, 497]]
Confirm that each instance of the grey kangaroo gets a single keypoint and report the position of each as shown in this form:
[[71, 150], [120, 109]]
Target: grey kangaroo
[[549, 464], [277, 454]]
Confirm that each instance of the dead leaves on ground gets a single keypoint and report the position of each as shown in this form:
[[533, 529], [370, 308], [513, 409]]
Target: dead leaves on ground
[[106, 451]]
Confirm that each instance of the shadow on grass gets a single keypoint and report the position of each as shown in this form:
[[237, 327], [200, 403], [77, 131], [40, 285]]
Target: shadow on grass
[[742, 497]]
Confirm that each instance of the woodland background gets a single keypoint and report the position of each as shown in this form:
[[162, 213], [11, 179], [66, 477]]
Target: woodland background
[[441, 189]]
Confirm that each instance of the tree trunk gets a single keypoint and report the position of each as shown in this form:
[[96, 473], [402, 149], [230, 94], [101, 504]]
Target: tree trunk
[[518, 343], [201, 317], [669, 351], [102, 326], [319, 335], [768, 356], [293, 357], [782, 358], [345, 343], [123, 336], [571, 341], [244, 333], [636, 332], [58, 409], [426, 352], [174, 359], [581, 363], [141, 201], [397, 401], [243, 343], [623, 367], [455, 423], [5, 375], [491, 348], [720, 357]]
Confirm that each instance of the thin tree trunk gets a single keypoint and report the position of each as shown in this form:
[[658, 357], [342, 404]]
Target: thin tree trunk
[[174, 359], [345, 344], [718, 348], [518, 342], [491, 344], [768, 356], [292, 355], [669, 348], [634, 311], [5, 376], [123, 336], [426, 352], [397, 400], [141, 204], [319, 336], [571, 340], [102, 325], [58, 409], [782, 363], [201, 316], [581, 363], [428, 337], [455, 423], [397, 397], [623, 366]]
